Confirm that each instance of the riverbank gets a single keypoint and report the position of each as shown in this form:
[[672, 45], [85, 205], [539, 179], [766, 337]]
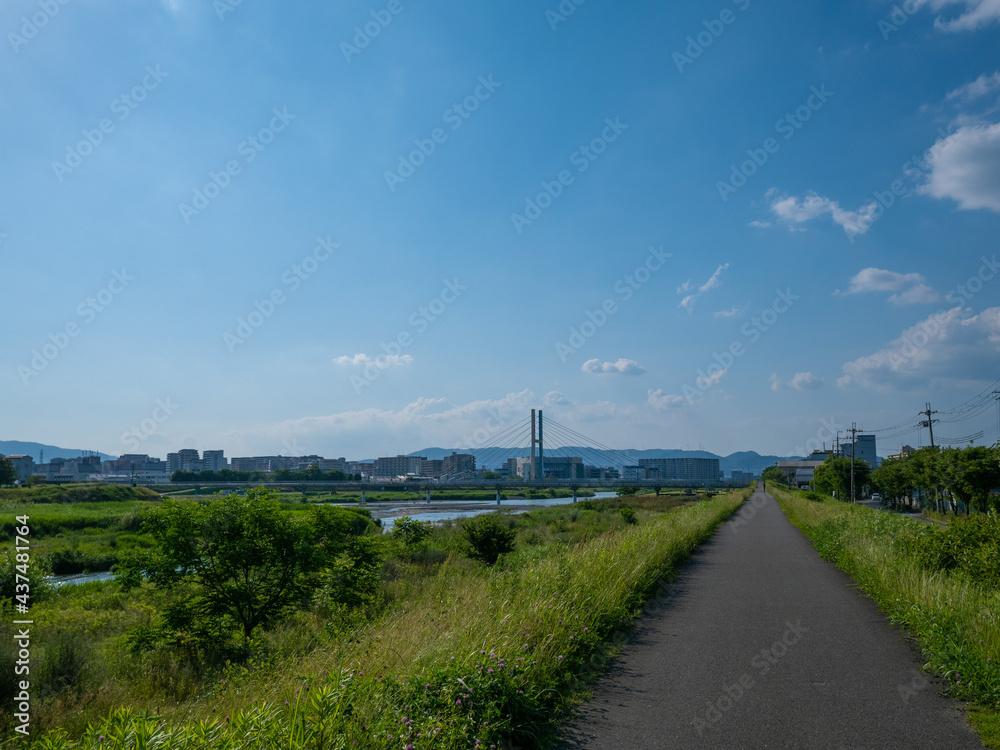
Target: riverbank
[[460, 652]]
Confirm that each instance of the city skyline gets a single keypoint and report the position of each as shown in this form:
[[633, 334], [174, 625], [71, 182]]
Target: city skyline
[[357, 229]]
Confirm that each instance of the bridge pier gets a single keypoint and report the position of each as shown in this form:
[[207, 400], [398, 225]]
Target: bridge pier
[[498, 494], [428, 497], [362, 495]]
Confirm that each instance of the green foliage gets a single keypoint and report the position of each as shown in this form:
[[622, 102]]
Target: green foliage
[[241, 558], [489, 536], [411, 531], [774, 474], [834, 475], [8, 474], [628, 515], [627, 491], [77, 493], [37, 569], [967, 547]]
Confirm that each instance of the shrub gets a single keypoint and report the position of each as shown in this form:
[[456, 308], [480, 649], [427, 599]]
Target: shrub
[[488, 537], [411, 531], [628, 515]]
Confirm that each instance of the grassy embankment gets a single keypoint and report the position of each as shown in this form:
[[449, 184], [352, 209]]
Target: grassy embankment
[[942, 584], [77, 528], [460, 653]]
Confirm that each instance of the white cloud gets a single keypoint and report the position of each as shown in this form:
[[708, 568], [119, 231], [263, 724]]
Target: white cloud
[[621, 367], [664, 401], [795, 212], [801, 381], [555, 398], [732, 312], [980, 87], [707, 382], [965, 167], [946, 346], [760, 224], [908, 288], [382, 361], [713, 282], [977, 13]]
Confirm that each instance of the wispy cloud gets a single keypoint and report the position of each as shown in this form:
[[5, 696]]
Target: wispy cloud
[[733, 312], [980, 87], [801, 381], [664, 401], [907, 288], [716, 278], [760, 224], [621, 367], [383, 361], [796, 212], [977, 13]]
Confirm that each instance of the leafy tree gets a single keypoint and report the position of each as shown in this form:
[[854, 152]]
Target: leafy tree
[[893, 479], [924, 468], [627, 491], [488, 537], [834, 475], [774, 474], [240, 558], [8, 474], [970, 474], [411, 531]]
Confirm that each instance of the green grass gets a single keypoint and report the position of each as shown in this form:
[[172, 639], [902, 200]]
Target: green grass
[[461, 652], [955, 620]]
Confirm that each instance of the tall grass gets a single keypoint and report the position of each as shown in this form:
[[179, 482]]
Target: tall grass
[[466, 657], [956, 621]]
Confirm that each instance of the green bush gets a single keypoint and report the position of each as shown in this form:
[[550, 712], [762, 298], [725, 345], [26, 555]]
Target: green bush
[[628, 515], [489, 537], [411, 531], [968, 547]]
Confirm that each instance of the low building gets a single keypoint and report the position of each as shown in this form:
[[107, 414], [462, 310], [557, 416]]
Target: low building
[[458, 465], [684, 469], [24, 465]]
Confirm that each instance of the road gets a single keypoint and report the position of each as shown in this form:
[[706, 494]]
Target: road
[[760, 643]]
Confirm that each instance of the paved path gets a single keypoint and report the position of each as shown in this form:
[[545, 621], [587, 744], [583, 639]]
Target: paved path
[[762, 644]]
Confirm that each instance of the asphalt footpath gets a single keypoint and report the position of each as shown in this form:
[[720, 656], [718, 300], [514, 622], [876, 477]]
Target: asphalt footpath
[[759, 643]]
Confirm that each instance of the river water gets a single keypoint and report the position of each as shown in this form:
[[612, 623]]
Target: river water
[[396, 511]]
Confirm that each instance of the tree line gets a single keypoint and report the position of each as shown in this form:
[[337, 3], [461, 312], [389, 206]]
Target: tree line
[[940, 478]]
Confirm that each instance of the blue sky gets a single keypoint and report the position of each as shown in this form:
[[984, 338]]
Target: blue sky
[[371, 228]]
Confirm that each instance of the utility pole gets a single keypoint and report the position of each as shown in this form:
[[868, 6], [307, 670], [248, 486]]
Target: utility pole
[[997, 399], [854, 442], [929, 423]]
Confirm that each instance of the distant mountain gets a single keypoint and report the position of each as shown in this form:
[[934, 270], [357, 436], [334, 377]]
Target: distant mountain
[[494, 457], [18, 447]]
